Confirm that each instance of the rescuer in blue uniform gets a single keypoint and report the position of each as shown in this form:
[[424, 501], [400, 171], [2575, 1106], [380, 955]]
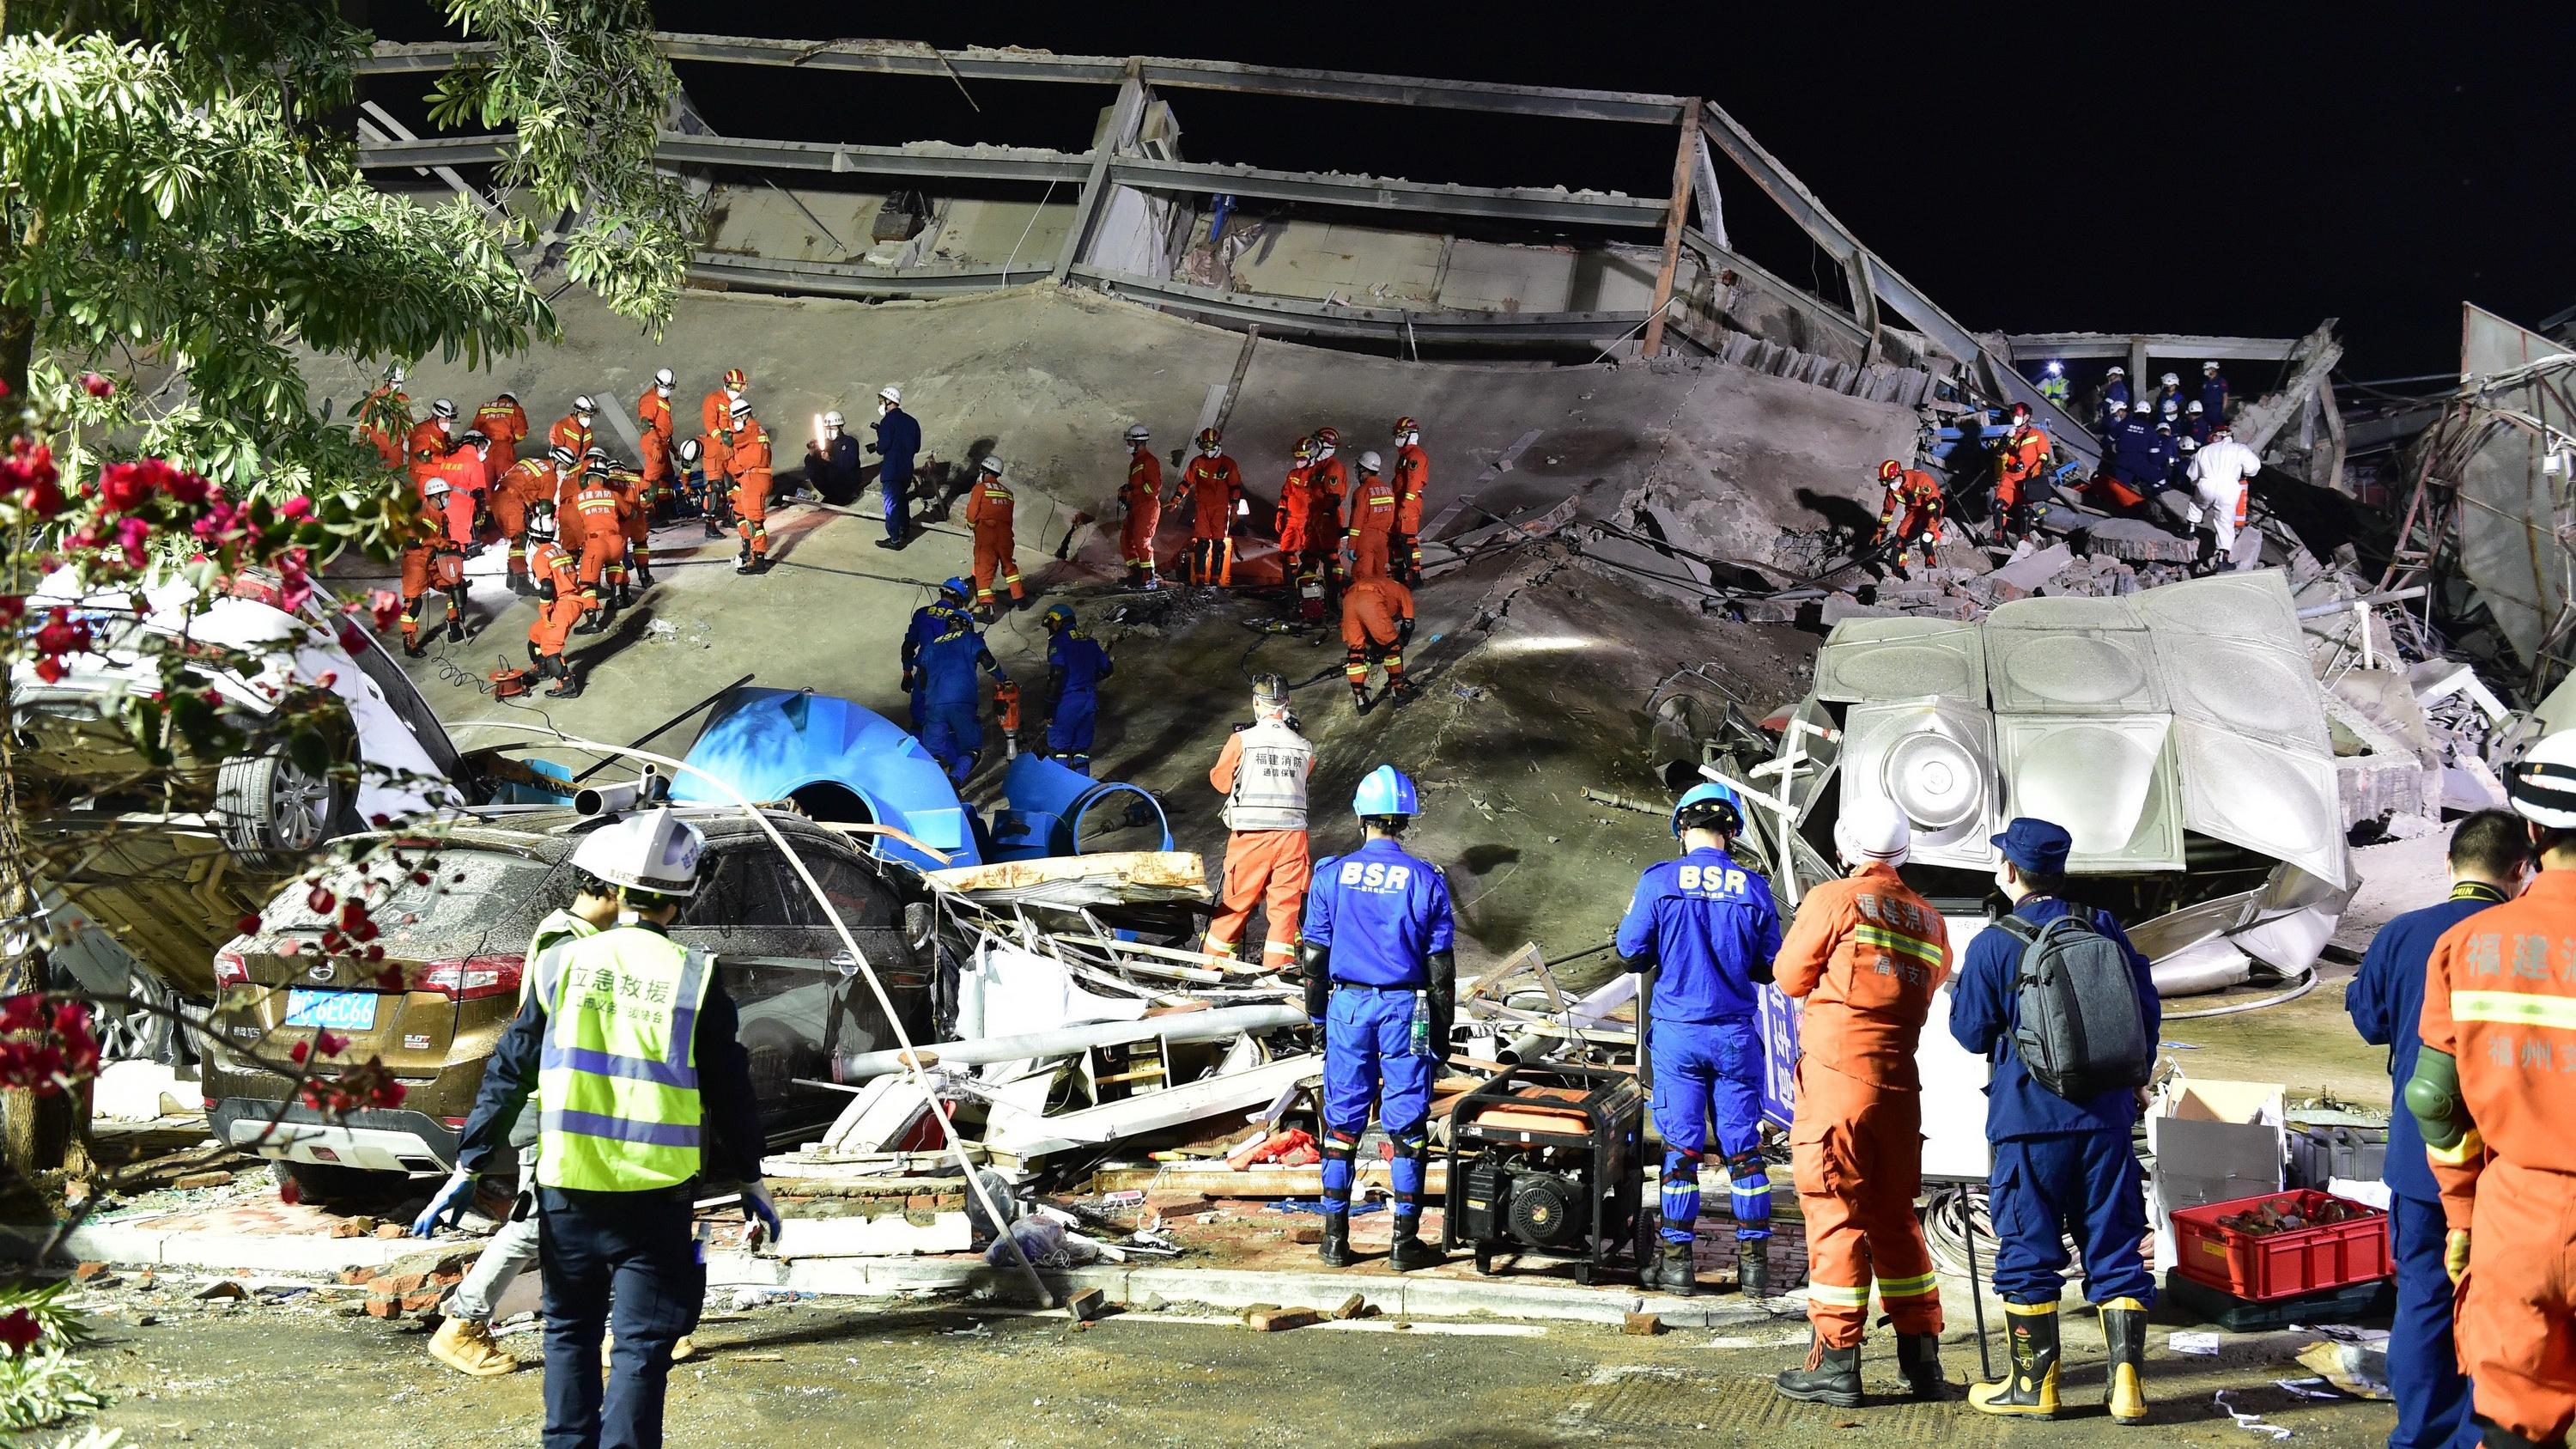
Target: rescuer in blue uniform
[[2490, 854], [1708, 928], [2059, 1165], [2137, 455], [931, 620], [1075, 666], [1382, 985], [952, 728], [898, 438]]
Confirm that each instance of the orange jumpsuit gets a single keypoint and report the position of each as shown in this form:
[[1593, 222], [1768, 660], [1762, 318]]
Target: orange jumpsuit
[[1142, 498], [2500, 997], [715, 412], [715, 462], [506, 424], [569, 433], [656, 448], [427, 444], [601, 535], [2018, 460], [1373, 512], [636, 521], [1215, 488], [988, 512], [1911, 516], [1329, 483], [382, 414], [527, 482], [1866, 953], [747, 461], [466, 482], [1372, 631], [429, 561], [1412, 482], [1267, 868], [559, 583], [653, 413]]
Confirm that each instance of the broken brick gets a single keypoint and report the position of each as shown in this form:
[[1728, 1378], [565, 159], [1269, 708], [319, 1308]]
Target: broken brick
[[1642, 1325], [86, 1271], [1087, 1304], [1269, 1318], [389, 1230]]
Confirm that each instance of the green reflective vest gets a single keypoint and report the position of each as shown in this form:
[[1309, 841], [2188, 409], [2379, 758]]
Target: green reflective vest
[[618, 1078]]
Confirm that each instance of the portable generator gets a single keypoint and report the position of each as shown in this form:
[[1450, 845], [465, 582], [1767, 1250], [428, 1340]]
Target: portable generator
[[1548, 1158]]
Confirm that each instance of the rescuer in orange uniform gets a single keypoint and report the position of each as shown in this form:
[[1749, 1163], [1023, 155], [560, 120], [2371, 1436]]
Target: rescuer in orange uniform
[[1140, 499], [601, 537], [572, 430], [1412, 483], [559, 587], [988, 512], [1262, 775], [430, 560], [1910, 520], [2495, 1091], [637, 525], [506, 424], [654, 447], [1373, 509], [1377, 622], [653, 408], [529, 482], [1330, 484], [428, 442], [1866, 953], [747, 459], [715, 410], [714, 492], [1295, 527], [2021, 456], [1214, 486], [467, 480], [384, 415]]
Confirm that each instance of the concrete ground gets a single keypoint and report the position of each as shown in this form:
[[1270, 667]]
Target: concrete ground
[[832, 1372]]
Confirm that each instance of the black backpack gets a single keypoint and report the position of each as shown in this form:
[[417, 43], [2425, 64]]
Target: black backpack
[[2082, 1031]]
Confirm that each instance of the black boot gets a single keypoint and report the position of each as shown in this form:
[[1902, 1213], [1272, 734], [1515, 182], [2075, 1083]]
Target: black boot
[[643, 577], [1753, 1268], [625, 596], [1361, 702], [2124, 1329], [1410, 1251], [1918, 1357], [1830, 1376], [1676, 1273], [413, 648], [1336, 1251]]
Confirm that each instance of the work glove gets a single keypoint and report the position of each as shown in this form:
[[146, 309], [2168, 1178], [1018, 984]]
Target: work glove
[[871, 447], [761, 1213], [1403, 631], [448, 1204], [2455, 1254], [907, 681]]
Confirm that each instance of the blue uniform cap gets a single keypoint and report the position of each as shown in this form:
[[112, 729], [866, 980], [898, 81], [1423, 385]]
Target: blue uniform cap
[[2035, 845], [1386, 791], [1700, 794]]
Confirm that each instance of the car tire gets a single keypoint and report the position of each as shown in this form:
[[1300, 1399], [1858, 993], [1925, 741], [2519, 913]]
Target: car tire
[[321, 1182], [273, 813]]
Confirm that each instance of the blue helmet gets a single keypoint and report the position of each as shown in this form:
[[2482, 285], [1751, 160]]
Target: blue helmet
[[1710, 792], [1386, 791], [1057, 616], [959, 587]]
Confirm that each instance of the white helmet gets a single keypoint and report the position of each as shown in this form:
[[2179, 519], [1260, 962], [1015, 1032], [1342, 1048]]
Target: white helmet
[[834, 420], [541, 520], [583, 404], [2209, 367], [662, 377], [2172, 406], [1368, 462], [2194, 406], [741, 407], [2170, 380], [689, 450], [1873, 831], [2119, 405], [655, 851], [2541, 786], [1138, 434], [992, 465], [434, 487], [892, 394], [443, 410], [2115, 370], [395, 376]]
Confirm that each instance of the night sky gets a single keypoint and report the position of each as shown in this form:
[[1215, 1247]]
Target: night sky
[[2226, 169]]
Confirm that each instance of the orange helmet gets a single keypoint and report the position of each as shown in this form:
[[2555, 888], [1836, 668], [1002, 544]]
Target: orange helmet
[[1891, 470], [1305, 450], [1406, 425], [1328, 438], [1210, 437], [735, 377]]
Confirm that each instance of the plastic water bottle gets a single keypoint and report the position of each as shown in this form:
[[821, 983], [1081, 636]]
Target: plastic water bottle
[[1421, 1023]]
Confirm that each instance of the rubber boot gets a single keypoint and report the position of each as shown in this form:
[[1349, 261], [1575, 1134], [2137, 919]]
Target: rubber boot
[[643, 577], [1336, 1251], [467, 1347], [1918, 1357], [1410, 1251], [1676, 1273], [625, 596], [709, 520], [2031, 1392], [1753, 1268], [1831, 1376], [742, 559], [2124, 1328], [1361, 701]]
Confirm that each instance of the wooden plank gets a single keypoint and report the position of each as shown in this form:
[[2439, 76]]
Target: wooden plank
[[1160, 869], [1675, 215]]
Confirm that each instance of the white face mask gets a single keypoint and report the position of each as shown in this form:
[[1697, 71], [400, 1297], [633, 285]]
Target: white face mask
[[661, 389], [585, 420]]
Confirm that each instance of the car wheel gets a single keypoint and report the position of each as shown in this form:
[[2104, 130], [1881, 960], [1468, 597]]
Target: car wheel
[[321, 1182], [273, 812]]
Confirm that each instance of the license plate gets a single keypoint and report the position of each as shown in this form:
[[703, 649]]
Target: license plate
[[344, 1010]]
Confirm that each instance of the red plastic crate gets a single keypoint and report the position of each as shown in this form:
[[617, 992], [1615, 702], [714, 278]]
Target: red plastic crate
[[2280, 1265]]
